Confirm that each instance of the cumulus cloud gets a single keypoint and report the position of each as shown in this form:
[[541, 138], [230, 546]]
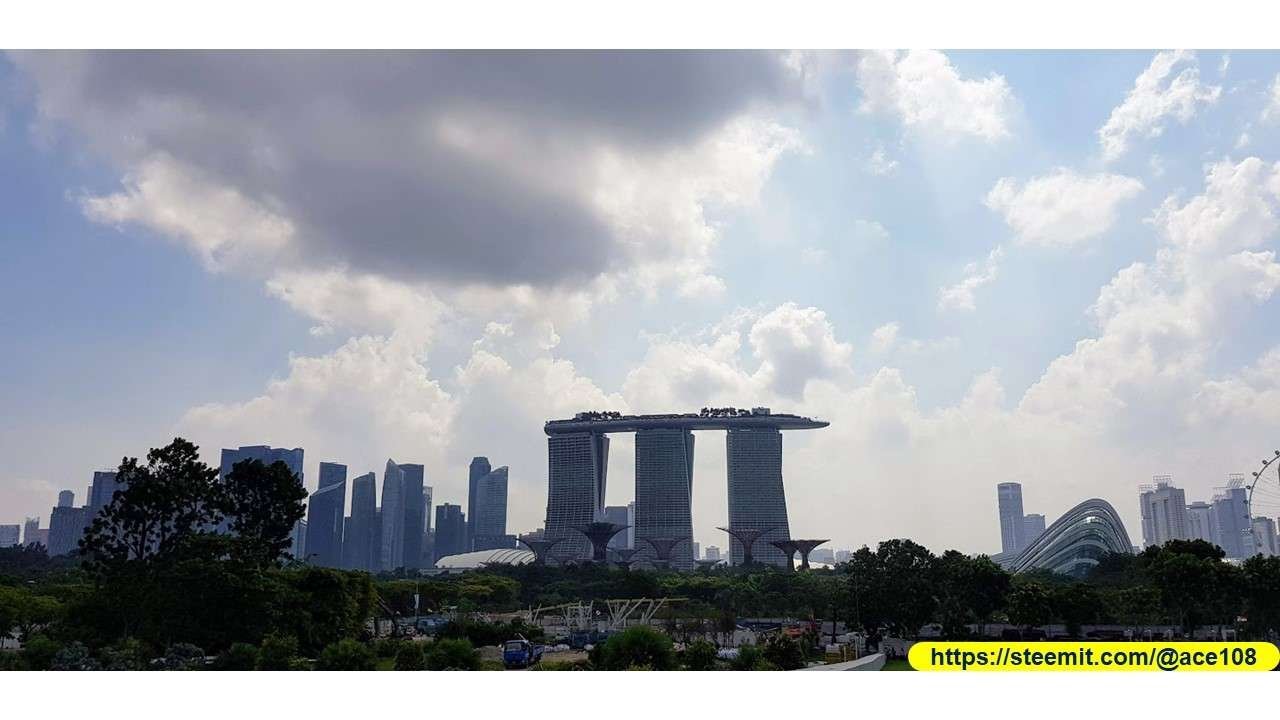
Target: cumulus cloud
[[961, 295], [1271, 113], [880, 163], [1158, 94], [1063, 209], [927, 94], [547, 171]]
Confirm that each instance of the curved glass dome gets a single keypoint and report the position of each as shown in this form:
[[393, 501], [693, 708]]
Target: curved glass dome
[[480, 558], [1075, 541]]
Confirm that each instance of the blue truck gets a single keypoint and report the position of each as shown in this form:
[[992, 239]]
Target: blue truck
[[520, 653]]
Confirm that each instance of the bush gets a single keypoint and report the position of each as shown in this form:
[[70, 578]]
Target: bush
[[127, 654], [37, 653], [751, 657], [410, 657], [785, 653], [279, 652], [11, 661], [74, 657], [389, 647], [700, 655], [182, 656], [346, 655], [240, 656], [637, 646], [452, 654]]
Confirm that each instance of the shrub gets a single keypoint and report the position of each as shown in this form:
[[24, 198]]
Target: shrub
[[346, 655], [410, 657], [74, 657], [785, 653], [37, 653], [637, 646], [128, 654], [182, 656], [279, 652], [240, 656], [700, 655], [452, 654], [751, 657]]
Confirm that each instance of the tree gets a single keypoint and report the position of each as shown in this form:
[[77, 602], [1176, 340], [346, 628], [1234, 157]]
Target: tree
[[1262, 595], [25, 612], [784, 653], [346, 655], [279, 652], [700, 655], [902, 587], [638, 646], [262, 504], [452, 654], [750, 657], [1077, 604], [240, 656], [1029, 605], [158, 507]]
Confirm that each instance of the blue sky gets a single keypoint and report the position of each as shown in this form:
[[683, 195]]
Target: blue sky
[[424, 257]]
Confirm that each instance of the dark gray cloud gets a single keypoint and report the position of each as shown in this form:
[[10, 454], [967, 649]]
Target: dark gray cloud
[[347, 145]]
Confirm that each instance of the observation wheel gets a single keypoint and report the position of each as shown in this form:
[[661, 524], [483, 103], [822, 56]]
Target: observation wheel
[[1264, 500]]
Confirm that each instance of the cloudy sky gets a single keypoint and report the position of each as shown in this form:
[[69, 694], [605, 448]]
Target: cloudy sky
[[1051, 268]]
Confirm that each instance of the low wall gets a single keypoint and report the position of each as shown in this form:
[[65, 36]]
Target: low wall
[[870, 662]]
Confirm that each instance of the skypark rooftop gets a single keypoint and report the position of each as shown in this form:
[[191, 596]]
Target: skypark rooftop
[[708, 419]]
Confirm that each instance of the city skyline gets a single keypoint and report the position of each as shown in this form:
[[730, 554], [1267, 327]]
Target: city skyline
[[978, 267]]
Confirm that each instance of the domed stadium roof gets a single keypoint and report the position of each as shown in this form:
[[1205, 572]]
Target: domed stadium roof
[[480, 558], [1075, 541]]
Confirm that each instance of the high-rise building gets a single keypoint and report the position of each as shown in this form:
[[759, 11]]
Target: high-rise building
[[428, 534], [325, 510], [664, 486], [263, 453], [66, 526], [619, 515], [1032, 526], [843, 556], [697, 551], [391, 554], [10, 535], [66, 498], [823, 555], [358, 542], [488, 521], [298, 540], [1233, 527], [756, 497], [415, 523], [630, 532], [478, 469], [101, 491], [578, 465], [1264, 537], [713, 553], [1009, 503], [451, 530], [1164, 512], [32, 534], [1200, 522]]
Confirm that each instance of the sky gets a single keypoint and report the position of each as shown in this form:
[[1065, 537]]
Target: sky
[[1050, 268]]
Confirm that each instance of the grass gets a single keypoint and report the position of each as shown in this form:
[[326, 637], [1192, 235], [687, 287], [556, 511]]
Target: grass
[[897, 664]]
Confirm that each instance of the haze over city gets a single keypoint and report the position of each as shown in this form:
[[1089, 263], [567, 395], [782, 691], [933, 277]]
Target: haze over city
[[1046, 268]]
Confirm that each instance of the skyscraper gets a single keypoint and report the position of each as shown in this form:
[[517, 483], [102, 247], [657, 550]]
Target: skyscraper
[[415, 524], [325, 510], [1164, 512], [488, 521], [1264, 537], [101, 491], [428, 534], [359, 541], [479, 468], [298, 540], [756, 498], [391, 554], [619, 515], [32, 534], [66, 525], [451, 530], [1032, 526], [713, 552], [578, 465], [263, 453], [1009, 502], [1232, 525], [664, 486], [66, 498], [1200, 522], [9, 535]]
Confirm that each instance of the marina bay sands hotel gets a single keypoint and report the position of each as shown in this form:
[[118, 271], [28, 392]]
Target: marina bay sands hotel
[[578, 459]]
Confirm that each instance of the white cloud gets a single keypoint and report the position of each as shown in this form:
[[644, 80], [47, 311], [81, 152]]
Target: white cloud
[[961, 295], [880, 163], [1063, 209], [926, 92], [795, 345], [885, 337], [1157, 94], [1271, 113]]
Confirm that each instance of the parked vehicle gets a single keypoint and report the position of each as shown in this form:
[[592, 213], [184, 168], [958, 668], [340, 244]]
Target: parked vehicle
[[521, 653]]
